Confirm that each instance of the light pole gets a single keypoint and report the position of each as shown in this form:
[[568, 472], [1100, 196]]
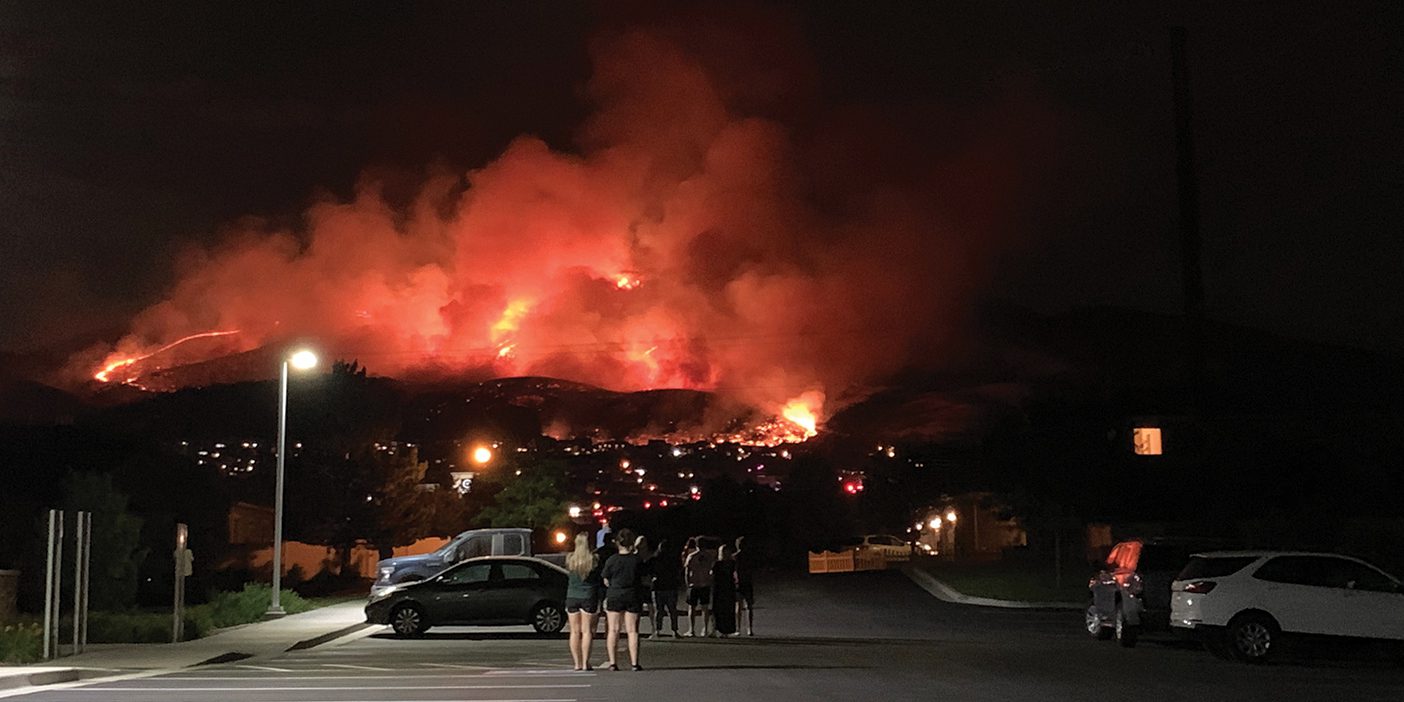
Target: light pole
[[301, 360]]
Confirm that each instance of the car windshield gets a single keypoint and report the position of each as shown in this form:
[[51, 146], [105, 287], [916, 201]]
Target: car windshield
[[1214, 566]]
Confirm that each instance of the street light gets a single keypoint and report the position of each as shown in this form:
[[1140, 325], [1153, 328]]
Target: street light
[[951, 516], [302, 360], [482, 455]]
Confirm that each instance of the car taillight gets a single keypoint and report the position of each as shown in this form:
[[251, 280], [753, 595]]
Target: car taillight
[[1200, 587]]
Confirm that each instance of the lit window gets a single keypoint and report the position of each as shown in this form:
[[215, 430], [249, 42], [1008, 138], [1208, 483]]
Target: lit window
[[1146, 441]]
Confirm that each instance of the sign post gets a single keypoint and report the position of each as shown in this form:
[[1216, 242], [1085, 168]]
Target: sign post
[[184, 563], [82, 558], [53, 578]]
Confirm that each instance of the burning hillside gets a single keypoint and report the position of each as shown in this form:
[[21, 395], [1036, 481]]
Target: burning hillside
[[696, 239]]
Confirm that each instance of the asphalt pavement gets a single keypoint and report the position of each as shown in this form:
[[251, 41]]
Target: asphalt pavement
[[830, 637]]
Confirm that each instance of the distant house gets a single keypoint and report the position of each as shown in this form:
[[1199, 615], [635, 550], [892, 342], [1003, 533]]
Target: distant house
[[250, 524]]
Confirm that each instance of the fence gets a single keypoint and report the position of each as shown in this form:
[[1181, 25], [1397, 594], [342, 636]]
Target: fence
[[846, 561]]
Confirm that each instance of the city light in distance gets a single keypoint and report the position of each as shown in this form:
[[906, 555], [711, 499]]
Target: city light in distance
[[481, 455]]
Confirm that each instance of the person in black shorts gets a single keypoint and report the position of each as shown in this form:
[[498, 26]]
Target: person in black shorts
[[697, 569], [667, 573], [582, 601], [622, 601], [745, 586]]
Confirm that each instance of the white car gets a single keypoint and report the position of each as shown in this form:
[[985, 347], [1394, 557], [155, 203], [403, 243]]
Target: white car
[[891, 547], [1242, 602]]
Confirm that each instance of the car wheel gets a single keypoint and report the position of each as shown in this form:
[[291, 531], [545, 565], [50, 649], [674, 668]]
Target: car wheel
[[1253, 637], [548, 618], [408, 620], [1095, 626], [1126, 633]]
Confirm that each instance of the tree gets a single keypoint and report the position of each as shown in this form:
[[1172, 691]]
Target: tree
[[402, 510], [534, 499], [116, 547]]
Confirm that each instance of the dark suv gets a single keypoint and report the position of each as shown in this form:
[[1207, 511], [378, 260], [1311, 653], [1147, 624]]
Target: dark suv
[[1132, 590]]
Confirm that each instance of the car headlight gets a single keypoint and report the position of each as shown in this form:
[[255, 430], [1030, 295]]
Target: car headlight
[[383, 594], [386, 572]]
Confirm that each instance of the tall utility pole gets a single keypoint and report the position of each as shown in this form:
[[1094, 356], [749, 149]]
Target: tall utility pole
[[1191, 243]]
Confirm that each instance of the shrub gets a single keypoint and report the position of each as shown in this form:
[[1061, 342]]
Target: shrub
[[21, 643], [227, 609], [129, 627]]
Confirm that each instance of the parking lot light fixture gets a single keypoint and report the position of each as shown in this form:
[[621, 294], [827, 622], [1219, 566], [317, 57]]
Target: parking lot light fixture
[[951, 516], [301, 359], [934, 523]]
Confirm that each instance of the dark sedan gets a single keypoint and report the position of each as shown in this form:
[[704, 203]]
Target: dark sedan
[[488, 590]]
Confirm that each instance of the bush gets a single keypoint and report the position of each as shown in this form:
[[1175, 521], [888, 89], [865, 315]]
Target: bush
[[226, 609], [21, 643], [129, 627]]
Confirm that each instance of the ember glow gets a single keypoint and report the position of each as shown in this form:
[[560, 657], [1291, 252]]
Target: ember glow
[[692, 239]]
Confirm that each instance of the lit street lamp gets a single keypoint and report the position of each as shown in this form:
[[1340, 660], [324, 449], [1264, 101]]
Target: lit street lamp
[[482, 455], [301, 360]]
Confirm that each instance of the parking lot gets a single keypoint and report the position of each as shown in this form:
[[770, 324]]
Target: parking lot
[[854, 636]]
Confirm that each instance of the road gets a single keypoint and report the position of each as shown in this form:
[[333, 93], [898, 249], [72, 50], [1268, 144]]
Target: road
[[837, 637]]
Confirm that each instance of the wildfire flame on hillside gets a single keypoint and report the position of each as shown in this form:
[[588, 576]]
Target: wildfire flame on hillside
[[694, 240], [119, 361]]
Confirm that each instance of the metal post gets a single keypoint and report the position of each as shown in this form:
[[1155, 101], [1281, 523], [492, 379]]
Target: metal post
[[87, 579], [53, 593], [275, 609], [178, 604], [80, 552]]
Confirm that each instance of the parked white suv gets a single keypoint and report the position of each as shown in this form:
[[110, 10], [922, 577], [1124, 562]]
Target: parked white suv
[[1242, 602]]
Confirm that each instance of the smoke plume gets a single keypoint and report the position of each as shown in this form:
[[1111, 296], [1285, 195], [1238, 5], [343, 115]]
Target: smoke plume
[[717, 227]]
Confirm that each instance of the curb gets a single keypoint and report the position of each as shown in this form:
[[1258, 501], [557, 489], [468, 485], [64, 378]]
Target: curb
[[329, 636], [38, 676], [946, 593]]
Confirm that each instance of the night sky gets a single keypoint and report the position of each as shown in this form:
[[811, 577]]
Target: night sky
[[126, 133]]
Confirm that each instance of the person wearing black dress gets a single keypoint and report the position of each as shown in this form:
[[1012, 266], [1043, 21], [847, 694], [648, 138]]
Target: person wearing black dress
[[724, 592]]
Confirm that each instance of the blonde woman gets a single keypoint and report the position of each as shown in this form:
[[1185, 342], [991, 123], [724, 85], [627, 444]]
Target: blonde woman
[[582, 600]]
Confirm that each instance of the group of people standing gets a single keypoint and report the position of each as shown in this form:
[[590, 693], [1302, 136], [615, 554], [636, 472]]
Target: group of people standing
[[623, 576]]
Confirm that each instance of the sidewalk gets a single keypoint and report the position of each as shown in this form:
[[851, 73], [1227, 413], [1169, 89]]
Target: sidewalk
[[249, 641]]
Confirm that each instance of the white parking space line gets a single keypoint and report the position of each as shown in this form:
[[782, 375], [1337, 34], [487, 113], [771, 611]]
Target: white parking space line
[[355, 667], [459, 666], [265, 668], [545, 671], [322, 689], [429, 676]]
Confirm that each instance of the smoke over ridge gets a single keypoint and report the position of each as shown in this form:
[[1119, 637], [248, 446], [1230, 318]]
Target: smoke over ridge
[[716, 228]]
